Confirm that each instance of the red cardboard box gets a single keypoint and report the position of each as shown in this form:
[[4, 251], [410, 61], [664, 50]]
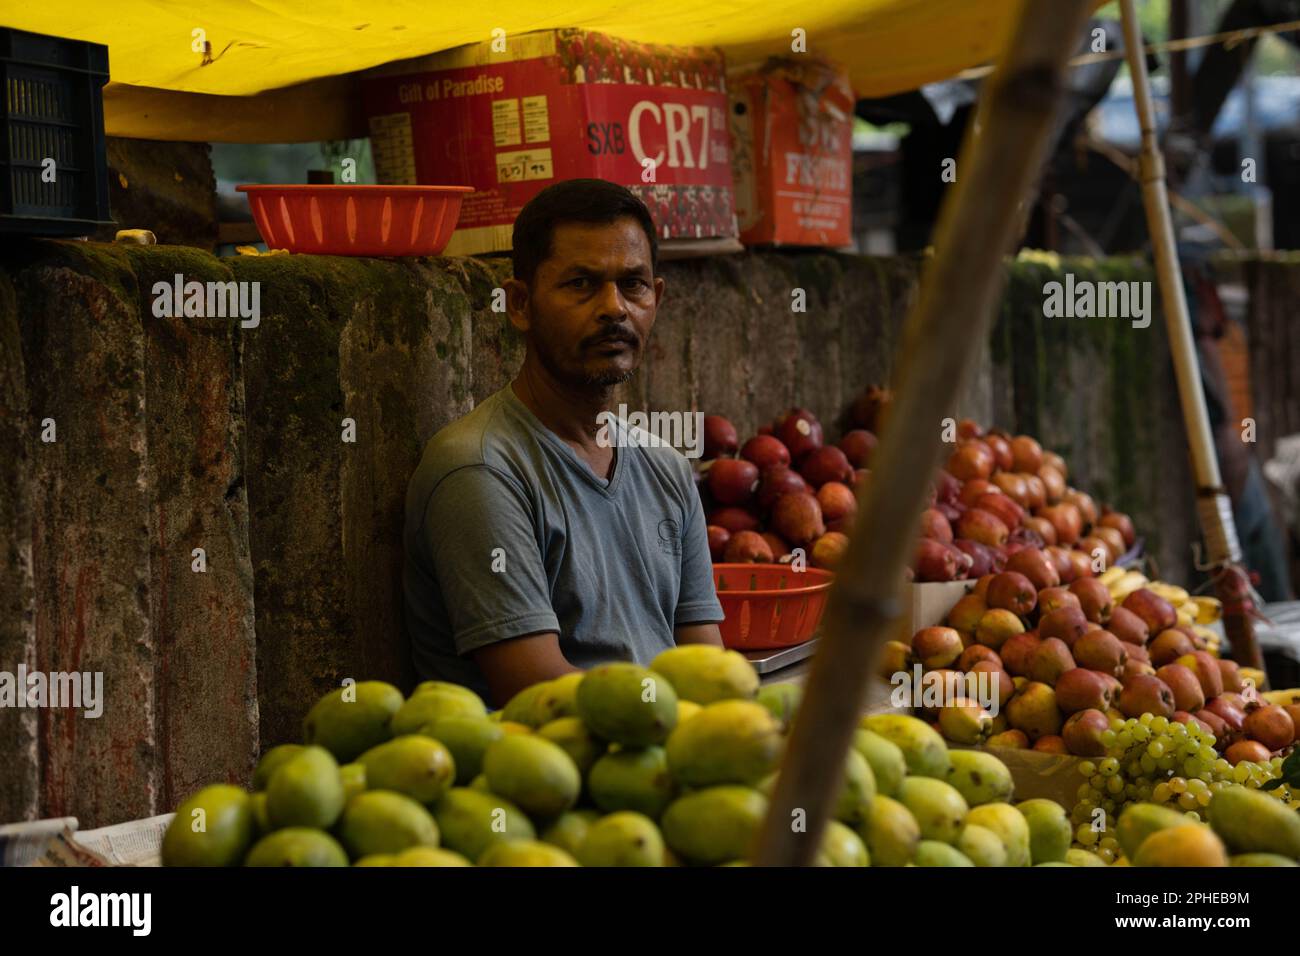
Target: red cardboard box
[[792, 131], [510, 117]]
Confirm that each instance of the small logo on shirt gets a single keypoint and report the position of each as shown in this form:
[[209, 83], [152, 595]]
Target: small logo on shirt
[[670, 537]]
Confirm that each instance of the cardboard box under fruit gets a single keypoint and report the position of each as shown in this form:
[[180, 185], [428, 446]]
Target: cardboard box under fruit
[[930, 604], [1053, 776]]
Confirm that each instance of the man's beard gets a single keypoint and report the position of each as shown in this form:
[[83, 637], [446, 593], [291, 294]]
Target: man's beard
[[584, 379]]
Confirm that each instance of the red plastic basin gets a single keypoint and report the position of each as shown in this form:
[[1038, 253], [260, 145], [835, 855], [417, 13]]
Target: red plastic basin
[[769, 605], [348, 220]]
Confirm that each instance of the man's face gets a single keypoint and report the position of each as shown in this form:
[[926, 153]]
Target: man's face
[[590, 307]]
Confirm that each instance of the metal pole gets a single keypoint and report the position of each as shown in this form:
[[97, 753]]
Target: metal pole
[[1212, 503]]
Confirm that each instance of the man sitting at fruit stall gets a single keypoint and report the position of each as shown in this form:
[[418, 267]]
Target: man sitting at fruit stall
[[535, 544]]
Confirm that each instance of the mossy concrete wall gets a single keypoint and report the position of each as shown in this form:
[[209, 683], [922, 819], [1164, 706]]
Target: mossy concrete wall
[[174, 435]]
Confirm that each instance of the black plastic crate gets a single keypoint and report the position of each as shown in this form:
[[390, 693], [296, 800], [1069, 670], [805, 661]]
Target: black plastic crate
[[51, 107]]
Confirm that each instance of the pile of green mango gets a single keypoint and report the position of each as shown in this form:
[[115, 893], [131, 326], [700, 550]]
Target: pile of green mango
[[1245, 828], [620, 765]]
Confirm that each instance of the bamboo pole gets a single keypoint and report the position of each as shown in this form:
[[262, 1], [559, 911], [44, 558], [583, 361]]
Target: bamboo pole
[[999, 163], [1212, 503]]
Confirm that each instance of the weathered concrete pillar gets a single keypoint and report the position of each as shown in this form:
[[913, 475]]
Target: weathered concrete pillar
[[83, 348], [20, 779], [201, 605]]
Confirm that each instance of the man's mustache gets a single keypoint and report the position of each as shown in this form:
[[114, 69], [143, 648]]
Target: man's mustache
[[614, 335]]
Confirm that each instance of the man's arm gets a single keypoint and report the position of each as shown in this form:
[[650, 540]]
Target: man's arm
[[698, 634], [519, 662]]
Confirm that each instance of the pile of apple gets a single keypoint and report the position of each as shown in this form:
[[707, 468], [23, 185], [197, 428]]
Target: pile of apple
[[1000, 494], [1067, 661], [783, 489]]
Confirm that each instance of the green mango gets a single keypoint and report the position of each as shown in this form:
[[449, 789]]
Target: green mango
[[532, 773], [526, 708], [1077, 857], [569, 829], [632, 779], [1139, 820], [525, 853], [467, 738], [271, 761], [1009, 825], [570, 734], [1050, 832], [980, 777], [558, 699], [923, 749], [622, 839], [470, 821], [982, 846], [214, 827], [939, 810], [858, 791], [887, 763], [350, 720], [377, 859], [628, 704], [782, 700], [890, 832], [714, 825], [936, 853], [731, 741], [353, 776], [306, 791], [424, 709], [1260, 859], [297, 846], [384, 821], [705, 673], [413, 764], [429, 856], [1192, 844], [480, 784], [843, 847], [261, 820], [1251, 821], [444, 687]]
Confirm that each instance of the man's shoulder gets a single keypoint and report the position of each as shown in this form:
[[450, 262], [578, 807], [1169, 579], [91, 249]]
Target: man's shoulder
[[488, 437]]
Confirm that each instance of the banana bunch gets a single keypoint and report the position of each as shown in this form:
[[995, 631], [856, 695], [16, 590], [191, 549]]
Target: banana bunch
[[1191, 609], [1280, 697]]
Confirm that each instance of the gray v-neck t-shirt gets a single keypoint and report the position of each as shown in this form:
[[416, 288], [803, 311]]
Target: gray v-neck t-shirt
[[508, 532]]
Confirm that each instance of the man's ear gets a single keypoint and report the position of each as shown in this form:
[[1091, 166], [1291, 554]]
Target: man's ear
[[517, 304], [659, 290]]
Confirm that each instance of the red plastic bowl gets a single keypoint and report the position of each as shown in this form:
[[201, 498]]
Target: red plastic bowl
[[770, 605], [356, 220]]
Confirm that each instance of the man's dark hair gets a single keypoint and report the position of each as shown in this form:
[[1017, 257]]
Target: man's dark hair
[[574, 200]]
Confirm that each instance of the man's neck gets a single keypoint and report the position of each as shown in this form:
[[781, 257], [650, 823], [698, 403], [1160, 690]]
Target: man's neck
[[572, 414]]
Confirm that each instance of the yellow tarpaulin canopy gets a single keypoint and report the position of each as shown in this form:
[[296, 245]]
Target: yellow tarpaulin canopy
[[279, 71]]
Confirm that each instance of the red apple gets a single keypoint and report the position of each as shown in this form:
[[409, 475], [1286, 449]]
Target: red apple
[[747, 547], [1043, 528], [1127, 626], [1158, 613], [765, 451], [858, 447], [1082, 731], [719, 437], [935, 525], [971, 460], [982, 526], [825, 464], [837, 501], [718, 538], [1002, 506], [972, 491], [733, 519], [1188, 694], [1026, 453], [1094, 598], [1035, 565], [776, 481], [733, 481], [800, 431], [798, 519]]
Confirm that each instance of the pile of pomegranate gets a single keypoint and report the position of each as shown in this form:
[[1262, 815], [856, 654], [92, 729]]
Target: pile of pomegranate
[[783, 489]]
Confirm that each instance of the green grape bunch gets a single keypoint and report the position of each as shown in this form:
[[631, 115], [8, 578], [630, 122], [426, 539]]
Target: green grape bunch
[[1151, 759]]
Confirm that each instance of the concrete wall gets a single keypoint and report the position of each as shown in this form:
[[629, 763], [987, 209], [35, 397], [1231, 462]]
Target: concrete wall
[[180, 434]]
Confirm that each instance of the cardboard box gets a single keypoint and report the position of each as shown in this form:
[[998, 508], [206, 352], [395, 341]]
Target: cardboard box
[[512, 116], [930, 604], [792, 132]]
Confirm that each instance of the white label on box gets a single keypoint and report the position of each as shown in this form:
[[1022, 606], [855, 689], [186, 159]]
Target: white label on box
[[393, 149], [523, 165], [537, 120], [505, 122]]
